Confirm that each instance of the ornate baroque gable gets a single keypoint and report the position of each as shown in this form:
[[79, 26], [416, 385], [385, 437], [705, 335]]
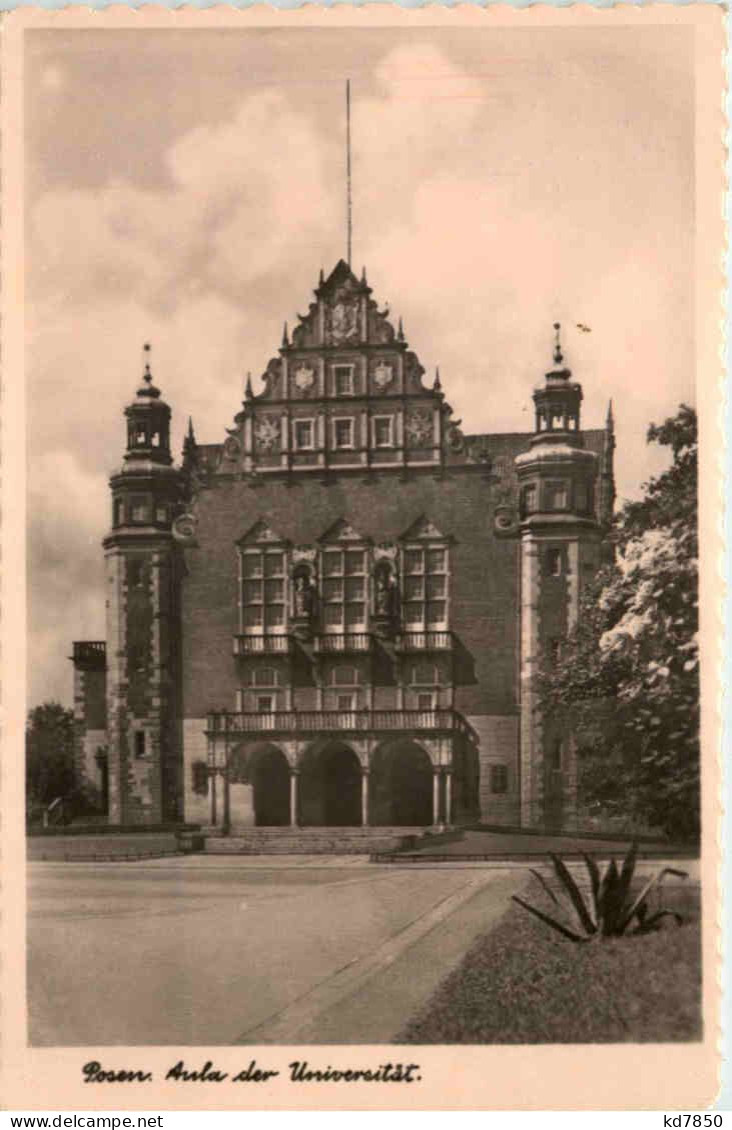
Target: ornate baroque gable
[[345, 393]]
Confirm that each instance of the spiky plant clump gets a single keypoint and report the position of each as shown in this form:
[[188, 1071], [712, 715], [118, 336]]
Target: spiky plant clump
[[612, 909]]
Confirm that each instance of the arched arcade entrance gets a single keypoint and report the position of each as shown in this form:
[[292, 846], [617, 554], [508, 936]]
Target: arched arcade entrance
[[330, 787], [259, 781], [402, 789]]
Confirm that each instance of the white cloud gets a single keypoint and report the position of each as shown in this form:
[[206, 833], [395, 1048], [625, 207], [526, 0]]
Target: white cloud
[[477, 217]]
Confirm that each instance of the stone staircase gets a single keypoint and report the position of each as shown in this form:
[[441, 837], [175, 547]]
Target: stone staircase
[[307, 841]]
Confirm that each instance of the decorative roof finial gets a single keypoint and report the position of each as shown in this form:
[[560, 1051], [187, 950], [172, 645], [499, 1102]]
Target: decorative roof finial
[[363, 275], [322, 276], [400, 333], [147, 375], [557, 344], [437, 386], [248, 390], [610, 421], [285, 339], [147, 390], [189, 447]]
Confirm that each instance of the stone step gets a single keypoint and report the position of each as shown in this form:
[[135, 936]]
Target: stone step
[[308, 841]]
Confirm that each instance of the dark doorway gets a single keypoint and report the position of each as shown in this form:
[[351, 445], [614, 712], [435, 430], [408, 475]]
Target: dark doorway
[[271, 781], [330, 788], [401, 787]]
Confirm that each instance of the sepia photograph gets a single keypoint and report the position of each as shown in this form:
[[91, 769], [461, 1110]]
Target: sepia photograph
[[369, 376]]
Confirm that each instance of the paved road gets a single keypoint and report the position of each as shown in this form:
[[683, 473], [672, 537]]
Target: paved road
[[202, 951]]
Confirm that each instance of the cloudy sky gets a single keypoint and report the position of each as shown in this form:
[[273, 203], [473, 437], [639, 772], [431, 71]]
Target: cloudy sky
[[185, 188]]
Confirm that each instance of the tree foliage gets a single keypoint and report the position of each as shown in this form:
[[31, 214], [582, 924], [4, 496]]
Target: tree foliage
[[49, 744], [627, 681]]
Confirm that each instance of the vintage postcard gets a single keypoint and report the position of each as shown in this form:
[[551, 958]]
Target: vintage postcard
[[361, 441]]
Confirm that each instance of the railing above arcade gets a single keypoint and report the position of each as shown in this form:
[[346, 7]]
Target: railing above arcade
[[223, 724]]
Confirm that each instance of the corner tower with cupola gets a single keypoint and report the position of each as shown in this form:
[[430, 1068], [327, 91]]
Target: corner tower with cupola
[[560, 527], [142, 568]]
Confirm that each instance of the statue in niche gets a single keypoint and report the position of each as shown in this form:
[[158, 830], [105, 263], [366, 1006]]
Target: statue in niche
[[385, 595], [303, 595]]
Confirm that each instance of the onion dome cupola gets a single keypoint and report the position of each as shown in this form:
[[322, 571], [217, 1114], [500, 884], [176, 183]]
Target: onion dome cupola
[[148, 423], [557, 474]]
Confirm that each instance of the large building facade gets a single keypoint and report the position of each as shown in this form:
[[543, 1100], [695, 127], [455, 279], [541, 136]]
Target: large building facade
[[335, 616]]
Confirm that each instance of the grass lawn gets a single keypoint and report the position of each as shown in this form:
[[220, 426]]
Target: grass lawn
[[524, 983]]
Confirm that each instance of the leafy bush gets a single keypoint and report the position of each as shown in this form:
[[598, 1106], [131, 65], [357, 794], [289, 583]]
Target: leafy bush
[[613, 909]]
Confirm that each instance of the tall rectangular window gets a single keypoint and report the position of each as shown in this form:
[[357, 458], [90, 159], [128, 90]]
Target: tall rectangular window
[[263, 590], [499, 778], [343, 379], [344, 590], [383, 431], [425, 588], [528, 499], [557, 496], [303, 435], [343, 434], [140, 508], [140, 743]]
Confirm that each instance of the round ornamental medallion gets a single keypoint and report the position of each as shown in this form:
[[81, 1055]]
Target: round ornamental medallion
[[419, 428], [232, 447], [304, 378], [383, 375], [267, 432]]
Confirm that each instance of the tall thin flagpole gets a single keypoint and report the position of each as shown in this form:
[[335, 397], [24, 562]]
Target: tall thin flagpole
[[349, 208]]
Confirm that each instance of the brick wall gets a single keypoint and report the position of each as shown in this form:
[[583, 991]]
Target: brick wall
[[483, 591]]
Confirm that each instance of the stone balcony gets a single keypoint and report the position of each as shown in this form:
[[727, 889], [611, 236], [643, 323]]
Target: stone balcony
[[424, 641], [265, 644], [229, 724], [343, 643], [90, 654]]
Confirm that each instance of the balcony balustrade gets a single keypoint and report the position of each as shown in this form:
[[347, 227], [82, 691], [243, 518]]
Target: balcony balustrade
[[342, 644], [262, 645], [424, 641], [90, 653], [229, 724]]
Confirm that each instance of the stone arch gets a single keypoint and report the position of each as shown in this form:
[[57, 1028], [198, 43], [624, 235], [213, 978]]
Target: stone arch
[[330, 785], [265, 768], [401, 784]]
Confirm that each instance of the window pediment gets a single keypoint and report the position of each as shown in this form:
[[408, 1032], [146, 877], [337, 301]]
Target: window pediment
[[261, 534]]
